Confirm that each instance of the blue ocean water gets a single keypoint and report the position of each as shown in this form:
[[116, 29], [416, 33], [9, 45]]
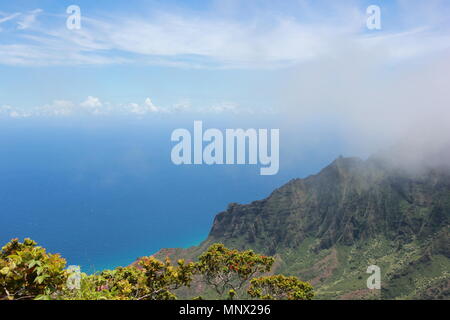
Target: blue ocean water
[[104, 192]]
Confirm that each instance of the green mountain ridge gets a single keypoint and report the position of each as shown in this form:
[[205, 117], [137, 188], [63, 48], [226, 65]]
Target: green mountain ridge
[[329, 227]]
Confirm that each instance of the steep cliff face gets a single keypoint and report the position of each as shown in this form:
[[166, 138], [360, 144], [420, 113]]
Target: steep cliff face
[[328, 228], [349, 201]]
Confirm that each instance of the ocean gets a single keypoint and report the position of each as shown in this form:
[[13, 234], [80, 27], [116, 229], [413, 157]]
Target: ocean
[[105, 192]]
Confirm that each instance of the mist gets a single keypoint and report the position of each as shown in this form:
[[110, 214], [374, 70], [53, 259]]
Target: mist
[[380, 101]]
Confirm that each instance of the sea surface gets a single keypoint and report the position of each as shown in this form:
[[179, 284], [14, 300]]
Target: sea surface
[[104, 192]]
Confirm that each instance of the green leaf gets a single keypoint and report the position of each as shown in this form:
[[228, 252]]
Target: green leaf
[[4, 271], [41, 278]]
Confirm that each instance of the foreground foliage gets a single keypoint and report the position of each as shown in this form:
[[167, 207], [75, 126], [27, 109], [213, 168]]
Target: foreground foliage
[[229, 270], [27, 271], [280, 287]]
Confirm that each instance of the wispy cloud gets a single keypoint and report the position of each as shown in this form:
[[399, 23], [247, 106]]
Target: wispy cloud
[[27, 20], [184, 39], [5, 18]]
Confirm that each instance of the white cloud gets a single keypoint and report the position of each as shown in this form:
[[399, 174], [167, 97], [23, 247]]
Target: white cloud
[[228, 107], [94, 106], [91, 102], [151, 107], [5, 18], [224, 107], [9, 111], [183, 39], [375, 101], [137, 109], [6, 110], [143, 109], [184, 105], [28, 19], [56, 108]]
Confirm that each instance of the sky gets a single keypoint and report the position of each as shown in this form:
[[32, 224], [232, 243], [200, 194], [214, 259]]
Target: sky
[[143, 58]]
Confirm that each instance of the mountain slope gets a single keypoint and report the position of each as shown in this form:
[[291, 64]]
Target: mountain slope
[[328, 228]]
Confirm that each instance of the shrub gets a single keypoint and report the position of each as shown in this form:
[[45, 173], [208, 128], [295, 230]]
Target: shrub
[[27, 271], [280, 287]]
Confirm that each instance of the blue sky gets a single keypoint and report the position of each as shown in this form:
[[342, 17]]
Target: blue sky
[[205, 56]]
